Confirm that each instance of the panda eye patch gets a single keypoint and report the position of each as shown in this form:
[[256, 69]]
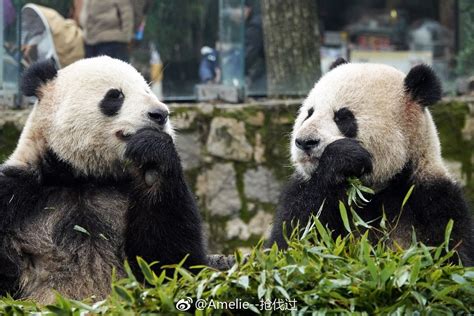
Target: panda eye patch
[[112, 102], [346, 122], [114, 94]]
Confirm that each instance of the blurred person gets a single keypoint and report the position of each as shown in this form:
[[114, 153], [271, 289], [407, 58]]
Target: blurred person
[[9, 13], [109, 25], [209, 71], [46, 34], [255, 68]]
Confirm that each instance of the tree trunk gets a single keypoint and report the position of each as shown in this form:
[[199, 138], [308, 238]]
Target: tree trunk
[[447, 14], [292, 40]]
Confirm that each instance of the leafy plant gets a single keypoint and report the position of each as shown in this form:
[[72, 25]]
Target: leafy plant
[[345, 275], [355, 193]]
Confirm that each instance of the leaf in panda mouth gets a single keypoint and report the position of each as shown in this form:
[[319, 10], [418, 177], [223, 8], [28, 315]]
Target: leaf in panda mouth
[[355, 192]]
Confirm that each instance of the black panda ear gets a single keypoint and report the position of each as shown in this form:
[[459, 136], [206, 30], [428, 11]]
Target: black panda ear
[[36, 76], [338, 62], [423, 85]]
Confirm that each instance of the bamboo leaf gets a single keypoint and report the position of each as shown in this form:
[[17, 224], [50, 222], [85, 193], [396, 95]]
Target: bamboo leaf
[[123, 293], [447, 233], [345, 219], [149, 275], [407, 196]]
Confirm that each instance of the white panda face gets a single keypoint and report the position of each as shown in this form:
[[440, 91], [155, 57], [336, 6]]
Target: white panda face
[[360, 101], [99, 103]]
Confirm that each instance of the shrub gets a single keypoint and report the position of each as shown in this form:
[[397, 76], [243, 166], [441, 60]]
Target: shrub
[[316, 274]]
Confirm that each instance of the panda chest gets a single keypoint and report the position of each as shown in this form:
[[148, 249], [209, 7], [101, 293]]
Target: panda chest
[[94, 212], [74, 233], [69, 217]]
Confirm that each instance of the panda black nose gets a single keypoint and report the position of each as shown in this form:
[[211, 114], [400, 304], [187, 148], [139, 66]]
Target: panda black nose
[[306, 144], [159, 116]]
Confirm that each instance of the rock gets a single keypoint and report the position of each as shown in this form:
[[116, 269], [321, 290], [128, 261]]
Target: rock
[[227, 140], [283, 120], [259, 149], [184, 120], [236, 228], [455, 169], [189, 149], [218, 189], [208, 159], [468, 130], [260, 184], [256, 120], [245, 251], [260, 224], [226, 93], [251, 206], [220, 262], [205, 108], [462, 85], [16, 117]]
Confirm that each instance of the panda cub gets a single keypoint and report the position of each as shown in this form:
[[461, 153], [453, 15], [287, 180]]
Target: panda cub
[[371, 121], [95, 180]]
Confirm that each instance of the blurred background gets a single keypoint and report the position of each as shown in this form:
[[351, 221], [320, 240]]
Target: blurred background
[[184, 44], [234, 73]]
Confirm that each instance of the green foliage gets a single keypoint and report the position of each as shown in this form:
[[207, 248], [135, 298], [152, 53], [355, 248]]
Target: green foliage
[[317, 273], [9, 135], [465, 61], [355, 194], [450, 119], [465, 58]]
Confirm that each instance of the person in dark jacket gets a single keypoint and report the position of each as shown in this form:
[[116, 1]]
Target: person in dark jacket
[[255, 69]]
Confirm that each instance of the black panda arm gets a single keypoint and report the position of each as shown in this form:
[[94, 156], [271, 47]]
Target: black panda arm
[[293, 208], [302, 198], [432, 205], [18, 191], [163, 221], [340, 160]]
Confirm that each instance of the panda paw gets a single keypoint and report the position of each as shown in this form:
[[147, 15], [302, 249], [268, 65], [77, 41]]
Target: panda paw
[[342, 159], [153, 150], [15, 172]]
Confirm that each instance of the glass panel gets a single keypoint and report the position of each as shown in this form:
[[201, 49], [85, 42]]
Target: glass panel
[[209, 42], [465, 66], [231, 42], [174, 33], [10, 54], [395, 32]]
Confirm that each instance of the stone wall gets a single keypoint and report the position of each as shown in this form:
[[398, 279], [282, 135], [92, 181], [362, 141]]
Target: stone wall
[[236, 159]]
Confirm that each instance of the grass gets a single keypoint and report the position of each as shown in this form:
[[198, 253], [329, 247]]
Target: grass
[[317, 274]]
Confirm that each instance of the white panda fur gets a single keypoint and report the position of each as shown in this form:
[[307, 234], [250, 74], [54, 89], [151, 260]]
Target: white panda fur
[[374, 93], [116, 175], [395, 145], [64, 101]]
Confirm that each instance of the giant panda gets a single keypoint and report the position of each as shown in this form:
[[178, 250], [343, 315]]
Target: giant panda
[[94, 180], [372, 121]]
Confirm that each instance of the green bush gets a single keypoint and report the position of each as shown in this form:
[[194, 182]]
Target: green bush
[[316, 274]]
